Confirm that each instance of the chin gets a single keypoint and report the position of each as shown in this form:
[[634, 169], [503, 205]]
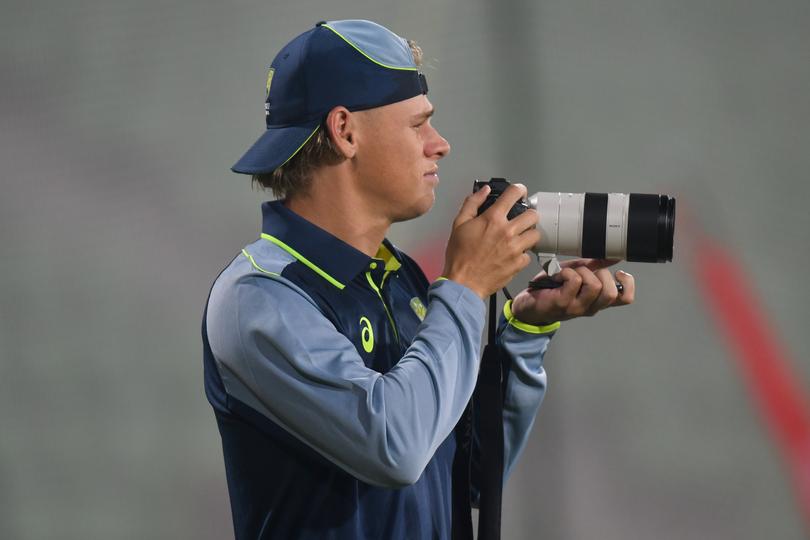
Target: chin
[[419, 209]]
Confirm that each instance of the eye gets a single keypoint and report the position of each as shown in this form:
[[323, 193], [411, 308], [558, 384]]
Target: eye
[[421, 123]]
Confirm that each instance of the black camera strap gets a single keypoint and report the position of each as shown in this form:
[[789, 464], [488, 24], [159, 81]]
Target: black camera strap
[[487, 405]]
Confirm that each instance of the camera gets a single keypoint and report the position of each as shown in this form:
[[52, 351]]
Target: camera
[[629, 226]]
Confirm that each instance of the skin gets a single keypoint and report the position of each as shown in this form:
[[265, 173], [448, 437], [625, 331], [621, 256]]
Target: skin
[[389, 175]]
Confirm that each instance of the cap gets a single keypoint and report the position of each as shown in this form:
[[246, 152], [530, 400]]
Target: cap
[[354, 63]]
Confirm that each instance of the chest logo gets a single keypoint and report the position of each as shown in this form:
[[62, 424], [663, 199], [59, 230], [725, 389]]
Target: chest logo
[[418, 307], [366, 334]]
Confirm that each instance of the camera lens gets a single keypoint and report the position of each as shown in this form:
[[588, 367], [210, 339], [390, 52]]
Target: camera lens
[[630, 226], [650, 228]]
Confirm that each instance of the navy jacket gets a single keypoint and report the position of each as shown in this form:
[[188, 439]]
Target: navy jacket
[[337, 379]]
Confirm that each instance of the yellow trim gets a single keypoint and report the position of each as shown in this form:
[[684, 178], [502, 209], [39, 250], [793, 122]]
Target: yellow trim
[[442, 278], [358, 49], [382, 283], [256, 265], [530, 328], [302, 145], [391, 262], [390, 318], [303, 260]]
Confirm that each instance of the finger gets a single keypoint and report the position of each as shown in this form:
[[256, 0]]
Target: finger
[[528, 239], [571, 282], [524, 261], [629, 284], [574, 263], [592, 264], [507, 200], [526, 220], [590, 289], [609, 293], [469, 208], [598, 264]]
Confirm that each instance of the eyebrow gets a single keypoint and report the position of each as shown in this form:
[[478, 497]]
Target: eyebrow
[[424, 115]]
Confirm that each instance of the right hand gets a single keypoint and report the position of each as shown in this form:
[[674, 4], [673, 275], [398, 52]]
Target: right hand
[[485, 252]]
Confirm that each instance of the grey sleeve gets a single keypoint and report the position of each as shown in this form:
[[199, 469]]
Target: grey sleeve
[[277, 353], [526, 384]]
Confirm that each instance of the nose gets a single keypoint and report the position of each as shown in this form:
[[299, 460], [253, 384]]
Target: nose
[[437, 146]]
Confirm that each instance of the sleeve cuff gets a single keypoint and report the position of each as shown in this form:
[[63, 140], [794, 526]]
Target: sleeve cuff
[[530, 328]]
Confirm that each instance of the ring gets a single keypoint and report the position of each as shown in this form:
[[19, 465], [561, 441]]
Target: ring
[[619, 287]]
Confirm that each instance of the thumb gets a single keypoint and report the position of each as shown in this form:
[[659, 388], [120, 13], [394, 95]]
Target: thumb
[[598, 264], [469, 209], [591, 264]]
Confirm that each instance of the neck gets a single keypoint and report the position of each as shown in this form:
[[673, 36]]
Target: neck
[[332, 204]]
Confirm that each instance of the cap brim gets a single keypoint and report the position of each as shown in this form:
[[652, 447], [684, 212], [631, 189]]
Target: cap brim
[[274, 148]]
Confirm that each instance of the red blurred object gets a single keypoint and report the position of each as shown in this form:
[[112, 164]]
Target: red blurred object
[[762, 361], [431, 259]]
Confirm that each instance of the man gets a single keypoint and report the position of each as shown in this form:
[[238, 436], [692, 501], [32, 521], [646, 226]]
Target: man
[[336, 371]]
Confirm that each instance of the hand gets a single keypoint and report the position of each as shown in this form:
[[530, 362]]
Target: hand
[[485, 252], [588, 287]]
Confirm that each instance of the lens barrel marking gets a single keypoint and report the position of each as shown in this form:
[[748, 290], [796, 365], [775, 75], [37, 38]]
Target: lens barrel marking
[[642, 228], [594, 225]]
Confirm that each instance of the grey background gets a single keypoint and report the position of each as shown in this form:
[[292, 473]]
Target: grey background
[[120, 121]]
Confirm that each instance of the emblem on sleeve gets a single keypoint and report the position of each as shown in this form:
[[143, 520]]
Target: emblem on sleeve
[[418, 307], [366, 334]]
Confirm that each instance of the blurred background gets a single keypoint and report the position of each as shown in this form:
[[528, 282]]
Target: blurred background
[[683, 416]]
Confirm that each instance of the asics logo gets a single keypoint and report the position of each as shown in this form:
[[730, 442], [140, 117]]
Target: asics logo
[[366, 334]]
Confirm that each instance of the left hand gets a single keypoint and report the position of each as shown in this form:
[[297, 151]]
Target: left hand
[[588, 287]]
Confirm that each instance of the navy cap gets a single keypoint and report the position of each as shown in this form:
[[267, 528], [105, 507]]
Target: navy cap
[[354, 63]]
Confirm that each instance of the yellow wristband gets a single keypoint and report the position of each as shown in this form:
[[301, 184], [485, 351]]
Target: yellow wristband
[[530, 328]]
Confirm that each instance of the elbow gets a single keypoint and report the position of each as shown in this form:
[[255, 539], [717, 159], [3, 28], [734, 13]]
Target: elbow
[[399, 473]]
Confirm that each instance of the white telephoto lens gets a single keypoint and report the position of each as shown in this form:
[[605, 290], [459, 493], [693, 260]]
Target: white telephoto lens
[[627, 226]]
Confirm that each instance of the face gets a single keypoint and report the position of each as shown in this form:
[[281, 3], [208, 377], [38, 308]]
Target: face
[[397, 157]]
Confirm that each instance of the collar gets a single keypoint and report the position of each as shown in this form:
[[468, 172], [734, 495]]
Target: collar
[[325, 254]]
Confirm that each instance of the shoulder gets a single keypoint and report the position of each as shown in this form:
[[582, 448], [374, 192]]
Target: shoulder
[[261, 262], [252, 286]]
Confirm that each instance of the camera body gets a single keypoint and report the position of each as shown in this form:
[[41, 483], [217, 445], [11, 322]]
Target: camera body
[[496, 187]]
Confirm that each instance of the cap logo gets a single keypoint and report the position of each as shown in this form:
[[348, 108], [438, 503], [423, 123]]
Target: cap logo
[[269, 81]]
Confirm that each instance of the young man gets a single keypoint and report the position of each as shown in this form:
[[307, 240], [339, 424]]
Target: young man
[[336, 371]]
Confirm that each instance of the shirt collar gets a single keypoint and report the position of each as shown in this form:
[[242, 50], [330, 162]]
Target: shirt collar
[[325, 254]]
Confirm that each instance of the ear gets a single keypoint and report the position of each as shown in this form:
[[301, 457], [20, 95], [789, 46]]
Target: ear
[[342, 126]]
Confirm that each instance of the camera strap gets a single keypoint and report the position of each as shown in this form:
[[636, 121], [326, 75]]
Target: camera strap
[[486, 408]]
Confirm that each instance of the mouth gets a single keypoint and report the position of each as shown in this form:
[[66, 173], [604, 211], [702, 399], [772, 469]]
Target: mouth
[[432, 174]]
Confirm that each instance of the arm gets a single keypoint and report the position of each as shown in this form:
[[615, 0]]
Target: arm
[[276, 353], [279, 355], [524, 388], [526, 346], [588, 287]]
